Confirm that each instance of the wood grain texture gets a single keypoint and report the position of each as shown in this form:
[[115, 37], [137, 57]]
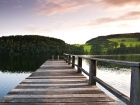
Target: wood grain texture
[[56, 83]]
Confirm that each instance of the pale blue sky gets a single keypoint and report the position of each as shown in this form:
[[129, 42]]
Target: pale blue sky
[[74, 21]]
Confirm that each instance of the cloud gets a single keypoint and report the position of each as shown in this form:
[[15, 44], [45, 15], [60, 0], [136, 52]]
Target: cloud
[[120, 3], [130, 15], [50, 7], [133, 15]]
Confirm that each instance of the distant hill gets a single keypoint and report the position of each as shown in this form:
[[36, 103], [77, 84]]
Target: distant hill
[[35, 45], [115, 36], [115, 44]]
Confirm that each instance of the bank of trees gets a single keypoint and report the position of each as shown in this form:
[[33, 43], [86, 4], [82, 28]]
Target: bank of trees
[[105, 45], [114, 48], [35, 45], [123, 49]]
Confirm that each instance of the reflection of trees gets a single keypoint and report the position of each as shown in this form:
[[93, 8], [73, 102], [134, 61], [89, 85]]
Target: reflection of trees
[[21, 63]]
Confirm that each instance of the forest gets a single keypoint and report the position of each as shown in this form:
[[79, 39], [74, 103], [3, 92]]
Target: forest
[[36, 45], [128, 43]]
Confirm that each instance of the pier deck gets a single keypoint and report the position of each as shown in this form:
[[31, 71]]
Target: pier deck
[[56, 83]]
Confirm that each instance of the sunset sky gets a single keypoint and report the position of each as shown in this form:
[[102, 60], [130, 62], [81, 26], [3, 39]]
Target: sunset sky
[[74, 21]]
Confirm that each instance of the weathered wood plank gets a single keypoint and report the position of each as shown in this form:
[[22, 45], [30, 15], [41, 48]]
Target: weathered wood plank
[[82, 103], [58, 82], [55, 96], [54, 80], [53, 77], [40, 92], [63, 100]]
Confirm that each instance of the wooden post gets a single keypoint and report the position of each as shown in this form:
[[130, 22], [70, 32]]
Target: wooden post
[[66, 58], [135, 86], [92, 71], [52, 57], [69, 59], [73, 61], [79, 64], [58, 57]]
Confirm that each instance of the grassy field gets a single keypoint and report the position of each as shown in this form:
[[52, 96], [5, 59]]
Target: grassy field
[[126, 41], [85, 46]]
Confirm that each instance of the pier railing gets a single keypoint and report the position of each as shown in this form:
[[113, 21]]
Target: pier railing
[[134, 98]]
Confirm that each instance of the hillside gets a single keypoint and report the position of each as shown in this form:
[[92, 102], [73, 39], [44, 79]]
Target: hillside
[[86, 47], [35, 45], [115, 44], [116, 36]]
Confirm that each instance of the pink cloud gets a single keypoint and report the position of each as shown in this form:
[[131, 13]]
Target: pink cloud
[[50, 7], [121, 3], [133, 15]]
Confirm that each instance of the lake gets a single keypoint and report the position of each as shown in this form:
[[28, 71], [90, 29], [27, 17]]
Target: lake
[[15, 69]]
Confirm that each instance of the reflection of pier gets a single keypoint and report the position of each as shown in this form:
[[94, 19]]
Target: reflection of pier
[[56, 83]]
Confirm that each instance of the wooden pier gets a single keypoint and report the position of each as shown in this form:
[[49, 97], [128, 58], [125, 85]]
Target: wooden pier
[[57, 83]]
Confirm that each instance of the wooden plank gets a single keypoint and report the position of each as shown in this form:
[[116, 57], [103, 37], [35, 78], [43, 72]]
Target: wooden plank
[[63, 100], [78, 84], [58, 82], [55, 96], [53, 80], [43, 103], [53, 77], [41, 92]]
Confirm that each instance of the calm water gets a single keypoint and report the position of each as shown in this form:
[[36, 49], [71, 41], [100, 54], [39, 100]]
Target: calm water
[[118, 76], [15, 69]]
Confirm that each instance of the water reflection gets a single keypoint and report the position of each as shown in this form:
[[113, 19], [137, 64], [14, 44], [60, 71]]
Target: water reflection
[[14, 69], [19, 64]]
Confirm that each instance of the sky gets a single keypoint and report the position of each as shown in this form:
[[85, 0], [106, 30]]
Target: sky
[[74, 21]]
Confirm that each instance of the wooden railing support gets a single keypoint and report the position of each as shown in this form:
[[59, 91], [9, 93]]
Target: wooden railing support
[[66, 58], [69, 59], [52, 57], [92, 71], [73, 61], [135, 86], [58, 57], [79, 64]]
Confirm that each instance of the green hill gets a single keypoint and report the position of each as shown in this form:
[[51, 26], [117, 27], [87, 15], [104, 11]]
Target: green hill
[[115, 44], [86, 47], [35, 45]]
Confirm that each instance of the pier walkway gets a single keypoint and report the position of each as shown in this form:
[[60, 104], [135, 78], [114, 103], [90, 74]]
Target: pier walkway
[[56, 83]]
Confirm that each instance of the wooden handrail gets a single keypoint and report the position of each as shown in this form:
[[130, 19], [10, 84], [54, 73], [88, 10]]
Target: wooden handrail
[[135, 76]]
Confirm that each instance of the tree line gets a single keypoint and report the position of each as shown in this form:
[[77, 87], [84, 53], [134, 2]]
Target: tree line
[[112, 48], [101, 45], [35, 45]]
